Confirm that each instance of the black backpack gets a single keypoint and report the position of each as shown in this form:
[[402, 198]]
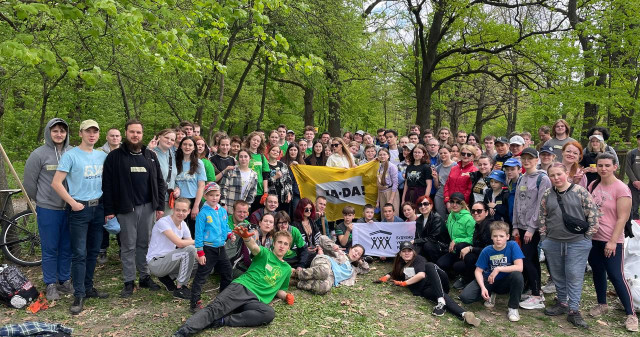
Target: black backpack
[[15, 289]]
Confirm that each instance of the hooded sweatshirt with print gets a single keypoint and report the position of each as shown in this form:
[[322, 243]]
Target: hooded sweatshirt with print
[[41, 167], [528, 196]]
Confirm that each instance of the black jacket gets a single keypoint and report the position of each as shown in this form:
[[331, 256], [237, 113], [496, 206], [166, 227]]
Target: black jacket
[[481, 236], [433, 230], [116, 181]]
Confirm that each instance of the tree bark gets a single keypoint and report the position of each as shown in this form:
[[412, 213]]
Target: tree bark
[[240, 84], [309, 118], [123, 94], [264, 92], [334, 97]]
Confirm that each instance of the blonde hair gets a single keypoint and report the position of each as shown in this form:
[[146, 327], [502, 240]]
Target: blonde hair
[[345, 150]]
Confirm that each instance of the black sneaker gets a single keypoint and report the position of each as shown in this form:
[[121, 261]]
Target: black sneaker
[[459, 284], [556, 310], [368, 259], [127, 291], [94, 293], [77, 306], [195, 306], [438, 310], [183, 293], [147, 282], [576, 319], [168, 283]]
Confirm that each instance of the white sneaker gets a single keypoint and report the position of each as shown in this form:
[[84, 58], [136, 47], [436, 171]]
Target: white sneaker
[[491, 302], [533, 302], [550, 288], [541, 256], [513, 315]]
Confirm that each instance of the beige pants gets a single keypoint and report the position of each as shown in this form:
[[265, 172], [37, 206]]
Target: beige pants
[[385, 197]]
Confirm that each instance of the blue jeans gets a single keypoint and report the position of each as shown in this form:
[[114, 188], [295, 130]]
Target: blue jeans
[[567, 262], [56, 246], [86, 237]]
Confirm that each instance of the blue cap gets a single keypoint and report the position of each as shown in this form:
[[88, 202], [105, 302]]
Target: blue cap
[[547, 149], [499, 176], [512, 162]]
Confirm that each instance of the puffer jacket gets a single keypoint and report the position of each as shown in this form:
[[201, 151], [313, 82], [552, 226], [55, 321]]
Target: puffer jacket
[[459, 181]]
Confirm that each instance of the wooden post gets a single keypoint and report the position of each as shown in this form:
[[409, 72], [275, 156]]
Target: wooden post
[[15, 175]]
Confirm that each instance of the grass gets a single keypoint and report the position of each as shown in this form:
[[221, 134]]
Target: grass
[[365, 309]]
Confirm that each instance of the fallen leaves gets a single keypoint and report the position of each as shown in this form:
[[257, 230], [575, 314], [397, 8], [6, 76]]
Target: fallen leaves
[[383, 313], [303, 332]]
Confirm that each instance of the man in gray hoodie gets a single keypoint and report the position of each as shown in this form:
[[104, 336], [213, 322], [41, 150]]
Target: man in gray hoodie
[[52, 218]]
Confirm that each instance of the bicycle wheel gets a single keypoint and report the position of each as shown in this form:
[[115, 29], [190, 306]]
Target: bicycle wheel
[[20, 240]]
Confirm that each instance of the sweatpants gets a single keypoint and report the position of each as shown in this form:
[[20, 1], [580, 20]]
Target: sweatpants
[[318, 278], [178, 264], [447, 260], [236, 305], [432, 250], [511, 284], [531, 262], [215, 258], [567, 262], [613, 267], [135, 233], [437, 286]]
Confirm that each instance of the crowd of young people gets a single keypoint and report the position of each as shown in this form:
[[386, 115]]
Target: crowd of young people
[[485, 215]]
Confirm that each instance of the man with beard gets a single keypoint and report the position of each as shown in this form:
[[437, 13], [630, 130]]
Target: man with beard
[[134, 192]]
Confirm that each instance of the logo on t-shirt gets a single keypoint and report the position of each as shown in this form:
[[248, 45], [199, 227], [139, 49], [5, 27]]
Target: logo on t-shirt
[[272, 274], [93, 171], [498, 260]]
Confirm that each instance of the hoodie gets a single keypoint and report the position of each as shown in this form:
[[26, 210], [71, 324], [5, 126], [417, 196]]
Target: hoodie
[[41, 167], [528, 196], [461, 226]]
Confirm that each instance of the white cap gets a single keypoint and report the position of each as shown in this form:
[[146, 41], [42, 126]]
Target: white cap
[[516, 140]]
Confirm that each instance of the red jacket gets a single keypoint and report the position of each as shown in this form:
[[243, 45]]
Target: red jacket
[[459, 181]]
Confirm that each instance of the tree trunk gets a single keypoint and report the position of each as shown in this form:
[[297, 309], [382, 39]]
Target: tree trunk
[[217, 110], [240, 84], [264, 92], [123, 94], [309, 118]]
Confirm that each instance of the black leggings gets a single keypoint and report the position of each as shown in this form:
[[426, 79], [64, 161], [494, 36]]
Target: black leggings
[[466, 267], [437, 286], [531, 262]]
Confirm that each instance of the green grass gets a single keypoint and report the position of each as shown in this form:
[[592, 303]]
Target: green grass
[[365, 309]]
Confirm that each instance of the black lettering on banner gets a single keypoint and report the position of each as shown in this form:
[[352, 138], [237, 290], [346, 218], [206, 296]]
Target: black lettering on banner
[[355, 191], [334, 194], [381, 242], [346, 192]]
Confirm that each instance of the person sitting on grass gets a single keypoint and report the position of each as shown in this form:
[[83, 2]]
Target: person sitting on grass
[[172, 253], [331, 269], [427, 280], [388, 214], [245, 302], [368, 214], [498, 271], [297, 254], [344, 229], [212, 231]]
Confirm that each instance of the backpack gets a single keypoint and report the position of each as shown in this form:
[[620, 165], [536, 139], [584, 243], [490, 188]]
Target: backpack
[[15, 289]]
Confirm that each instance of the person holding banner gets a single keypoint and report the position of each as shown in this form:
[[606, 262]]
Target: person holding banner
[[427, 280], [344, 229], [460, 226], [387, 181], [341, 157], [431, 238]]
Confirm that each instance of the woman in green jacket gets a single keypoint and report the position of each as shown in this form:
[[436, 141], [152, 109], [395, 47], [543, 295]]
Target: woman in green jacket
[[298, 250], [460, 226]]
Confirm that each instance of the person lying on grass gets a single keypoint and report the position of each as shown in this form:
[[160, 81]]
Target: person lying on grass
[[331, 267], [427, 280], [245, 302]]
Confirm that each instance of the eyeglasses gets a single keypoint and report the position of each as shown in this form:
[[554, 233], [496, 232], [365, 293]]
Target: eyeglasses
[[477, 211], [457, 202], [308, 209], [335, 145], [425, 204], [466, 154], [283, 222]]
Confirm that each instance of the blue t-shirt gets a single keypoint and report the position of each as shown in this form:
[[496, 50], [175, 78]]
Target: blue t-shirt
[[84, 173], [341, 272], [187, 183], [491, 258]]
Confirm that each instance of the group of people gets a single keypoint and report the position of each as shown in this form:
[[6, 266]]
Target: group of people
[[486, 215]]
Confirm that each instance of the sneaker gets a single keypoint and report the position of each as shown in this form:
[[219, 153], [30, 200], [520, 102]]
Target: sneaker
[[631, 323], [576, 319], [77, 306], [147, 282], [533, 302], [471, 319], [599, 310], [196, 306], [94, 293], [459, 284], [127, 291], [550, 288], [66, 287], [438, 310], [541, 256], [168, 283], [52, 292], [102, 258], [183, 293], [368, 259], [525, 295], [556, 310], [513, 315], [491, 302]]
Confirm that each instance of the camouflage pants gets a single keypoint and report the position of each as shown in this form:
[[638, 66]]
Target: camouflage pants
[[318, 278]]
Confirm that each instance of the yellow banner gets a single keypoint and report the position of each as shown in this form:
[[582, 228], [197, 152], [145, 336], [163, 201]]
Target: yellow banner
[[354, 187]]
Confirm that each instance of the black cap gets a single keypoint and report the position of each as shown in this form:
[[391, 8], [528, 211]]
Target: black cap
[[530, 151], [502, 140], [457, 196], [405, 245], [547, 149]]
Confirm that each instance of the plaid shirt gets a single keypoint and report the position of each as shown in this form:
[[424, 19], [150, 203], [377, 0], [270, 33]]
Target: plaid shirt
[[231, 185], [34, 329]]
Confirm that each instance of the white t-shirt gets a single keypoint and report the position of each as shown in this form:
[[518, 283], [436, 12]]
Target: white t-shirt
[[245, 176], [160, 245]]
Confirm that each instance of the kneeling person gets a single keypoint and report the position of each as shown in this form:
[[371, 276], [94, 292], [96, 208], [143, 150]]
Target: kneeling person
[[245, 301]]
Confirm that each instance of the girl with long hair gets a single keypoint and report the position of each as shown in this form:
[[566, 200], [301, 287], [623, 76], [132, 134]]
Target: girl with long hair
[[571, 157], [387, 181], [259, 164], [293, 156], [418, 178], [341, 157], [203, 154], [317, 156], [190, 178]]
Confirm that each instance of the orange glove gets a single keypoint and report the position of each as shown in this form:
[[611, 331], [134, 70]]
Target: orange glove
[[172, 200], [242, 232], [383, 279], [400, 283], [264, 198], [289, 299]]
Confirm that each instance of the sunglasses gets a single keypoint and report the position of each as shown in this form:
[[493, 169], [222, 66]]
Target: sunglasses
[[335, 145], [425, 204], [466, 154], [308, 209], [457, 202], [477, 211]]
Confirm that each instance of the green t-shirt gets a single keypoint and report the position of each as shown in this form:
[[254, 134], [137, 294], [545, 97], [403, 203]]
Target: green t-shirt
[[259, 164], [284, 147], [308, 151], [209, 170], [244, 223], [266, 276], [296, 242]]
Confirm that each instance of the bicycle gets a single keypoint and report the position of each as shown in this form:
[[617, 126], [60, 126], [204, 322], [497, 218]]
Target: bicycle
[[19, 238]]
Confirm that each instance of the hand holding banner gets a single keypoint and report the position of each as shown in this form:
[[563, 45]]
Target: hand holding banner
[[383, 238]]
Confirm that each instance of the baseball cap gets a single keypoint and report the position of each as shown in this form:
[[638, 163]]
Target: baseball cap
[[409, 146], [499, 176], [457, 196], [512, 162], [89, 123], [291, 131], [360, 132], [547, 149], [530, 151], [502, 140], [599, 137], [406, 245], [516, 140], [211, 187]]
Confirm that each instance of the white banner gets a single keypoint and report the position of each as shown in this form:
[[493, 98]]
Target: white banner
[[383, 238]]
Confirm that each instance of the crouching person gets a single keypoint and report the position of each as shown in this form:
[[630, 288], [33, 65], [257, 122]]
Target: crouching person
[[498, 271], [245, 301], [172, 253], [331, 267]]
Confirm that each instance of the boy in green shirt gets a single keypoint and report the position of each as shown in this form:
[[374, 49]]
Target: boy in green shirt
[[245, 302]]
